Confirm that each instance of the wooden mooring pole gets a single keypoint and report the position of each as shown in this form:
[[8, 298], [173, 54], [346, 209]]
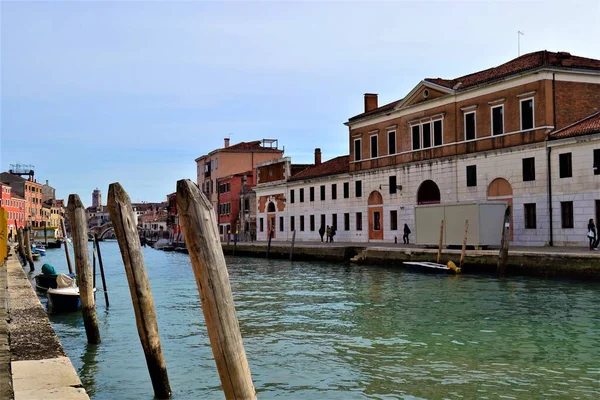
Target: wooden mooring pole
[[269, 243], [27, 238], [94, 263], [123, 219], [21, 244], [202, 237], [464, 245], [292, 247], [64, 230], [441, 242], [76, 212], [503, 255], [101, 265]]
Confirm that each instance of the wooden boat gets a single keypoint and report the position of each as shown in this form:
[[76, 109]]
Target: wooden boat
[[40, 249], [428, 266], [43, 282], [64, 299]]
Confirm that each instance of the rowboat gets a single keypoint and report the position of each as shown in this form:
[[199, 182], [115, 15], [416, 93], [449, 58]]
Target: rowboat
[[64, 299]]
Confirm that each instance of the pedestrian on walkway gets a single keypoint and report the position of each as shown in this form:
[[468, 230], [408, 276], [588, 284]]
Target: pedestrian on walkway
[[406, 233], [332, 234], [321, 232], [328, 233], [592, 234]]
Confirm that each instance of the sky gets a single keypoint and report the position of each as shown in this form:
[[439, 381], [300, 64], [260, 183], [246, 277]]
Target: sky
[[94, 92]]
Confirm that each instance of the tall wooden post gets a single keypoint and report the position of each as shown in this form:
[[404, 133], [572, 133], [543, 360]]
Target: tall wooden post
[[202, 237], [292, 247], [27, 238], [45, 233], [94, 264], [464, 245], [269, 243], [76, 212], [21, 244], [440, 244], [123, 220], [64, 231], [101, 265], [503, 255]]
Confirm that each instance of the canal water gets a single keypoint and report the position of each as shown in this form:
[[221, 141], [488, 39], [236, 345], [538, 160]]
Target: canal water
[[331, 331]]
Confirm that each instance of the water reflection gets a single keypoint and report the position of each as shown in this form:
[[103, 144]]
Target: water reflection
[[326, 331]]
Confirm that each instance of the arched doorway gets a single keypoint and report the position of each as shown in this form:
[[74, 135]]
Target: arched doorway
[[271, 220], [501, 190], [375, 204], [428, 193]]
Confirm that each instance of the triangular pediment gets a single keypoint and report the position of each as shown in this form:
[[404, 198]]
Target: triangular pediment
[[423, 92]]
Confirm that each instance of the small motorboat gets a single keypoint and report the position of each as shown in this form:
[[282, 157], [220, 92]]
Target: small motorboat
[[48, 278], [64, 298], [40, 249]]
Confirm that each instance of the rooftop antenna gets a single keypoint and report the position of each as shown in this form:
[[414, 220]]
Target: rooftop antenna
[[519, 33]]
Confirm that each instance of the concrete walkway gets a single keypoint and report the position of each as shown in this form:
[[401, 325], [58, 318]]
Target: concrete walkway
[[39, 368]]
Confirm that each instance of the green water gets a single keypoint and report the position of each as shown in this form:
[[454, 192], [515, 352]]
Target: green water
[[329, 331]]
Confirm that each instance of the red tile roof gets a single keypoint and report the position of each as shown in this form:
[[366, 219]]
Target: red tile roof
[[585, 126], [524, 63], [335, 166]]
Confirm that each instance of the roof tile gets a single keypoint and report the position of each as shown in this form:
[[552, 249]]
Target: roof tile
[[335, 166], [585, 126]]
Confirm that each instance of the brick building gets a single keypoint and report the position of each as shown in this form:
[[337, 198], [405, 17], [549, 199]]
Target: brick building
[[230, 160], [31, 191], [14, 206], [229, 206], [525, 133]]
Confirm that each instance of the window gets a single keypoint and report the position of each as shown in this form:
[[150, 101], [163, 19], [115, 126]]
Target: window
[[597, 162], [334, 220], [376, 221], [471, 175], [302, 195], [357, 150], [566, 165], [312, 222], [529, 169], [392, 142], [359, 221], [312, 194], [470, 133], [530, 218], [292, 223], [437, 133], [302, 223], [498, 120], [566, 212], [392, 184], [281, 224], [322, 192], [262, 225], [374, 146], [346, 190], [292, 196], [426, 129], [358, 189], [416, 142], [526, 114], [346, 221], [333, 191]]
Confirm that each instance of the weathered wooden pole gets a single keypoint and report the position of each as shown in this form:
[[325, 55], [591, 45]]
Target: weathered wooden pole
[[269, 243], [464, 245], [235, 238], [94, 263], [503, 255], [123, 220], [101, 265], [45, 233], [439, 254], [292, 247], [64, 230], [28, 249], [76, 212], [21, 244], [202, 237]]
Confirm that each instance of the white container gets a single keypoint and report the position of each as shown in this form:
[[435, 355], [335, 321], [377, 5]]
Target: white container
[[486, 221]]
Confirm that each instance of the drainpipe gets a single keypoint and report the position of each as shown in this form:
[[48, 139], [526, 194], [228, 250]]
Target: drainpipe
[[548, 156]]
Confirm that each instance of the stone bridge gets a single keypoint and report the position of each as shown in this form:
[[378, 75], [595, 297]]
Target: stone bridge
[[101, 230]]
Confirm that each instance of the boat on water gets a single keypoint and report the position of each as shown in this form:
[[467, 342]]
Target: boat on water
[[48, 279], [47, 235], [65, 297], [39, 249], [36, 256]]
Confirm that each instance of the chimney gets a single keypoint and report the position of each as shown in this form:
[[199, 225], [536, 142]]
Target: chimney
[[317, 156], [226, 142], [370, 101]]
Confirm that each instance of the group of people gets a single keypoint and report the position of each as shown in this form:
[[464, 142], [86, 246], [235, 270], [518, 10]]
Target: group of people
[[330, 231], [593, 235]]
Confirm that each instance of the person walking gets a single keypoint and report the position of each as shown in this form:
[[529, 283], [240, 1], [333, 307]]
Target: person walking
[[332, 234], [328, 234], [321, 232], [406, 233], [592, 234]]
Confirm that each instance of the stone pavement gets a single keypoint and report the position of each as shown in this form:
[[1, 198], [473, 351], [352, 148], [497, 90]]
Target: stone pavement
[[6, 391]]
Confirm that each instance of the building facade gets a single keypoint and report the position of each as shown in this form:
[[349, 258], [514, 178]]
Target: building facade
[[14, 206], [231, 160], [229, 204], [494, 135], [97, 198], [31, 191]]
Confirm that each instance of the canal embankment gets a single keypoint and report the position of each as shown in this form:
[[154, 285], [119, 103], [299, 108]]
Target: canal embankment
[[549, 262], [39, 367]]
